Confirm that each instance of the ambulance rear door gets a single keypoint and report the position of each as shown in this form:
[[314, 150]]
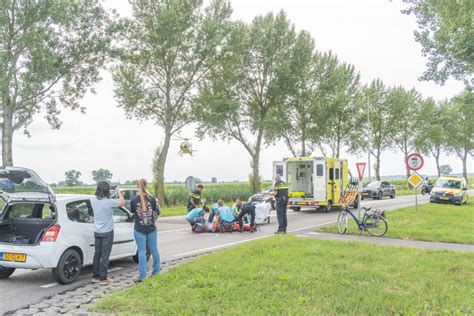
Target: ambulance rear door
[[320, 180]]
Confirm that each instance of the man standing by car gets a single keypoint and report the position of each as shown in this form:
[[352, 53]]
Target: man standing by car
[[280, 191], [103, 207], [195, 198]]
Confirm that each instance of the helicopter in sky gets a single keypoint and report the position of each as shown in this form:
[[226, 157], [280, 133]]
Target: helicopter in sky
[[186, 147]]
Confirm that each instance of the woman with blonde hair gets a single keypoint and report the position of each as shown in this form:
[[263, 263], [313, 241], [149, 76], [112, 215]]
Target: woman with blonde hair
[[146, 211]]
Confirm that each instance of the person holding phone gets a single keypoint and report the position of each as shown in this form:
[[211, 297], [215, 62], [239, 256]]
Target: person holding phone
[[103, 207]]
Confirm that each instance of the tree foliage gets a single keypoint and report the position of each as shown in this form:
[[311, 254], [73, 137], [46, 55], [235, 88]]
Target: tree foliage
[[72, 177], [50, 55], [101, 175], [459, 126], [446, 33], [244, 93], [167, 49]]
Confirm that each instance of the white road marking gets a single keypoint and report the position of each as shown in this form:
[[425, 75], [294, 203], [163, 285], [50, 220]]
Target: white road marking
[[173, 230], [244, 241], [45, 286]]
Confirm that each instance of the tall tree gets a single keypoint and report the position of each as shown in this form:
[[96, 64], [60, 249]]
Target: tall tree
[[446, 34], [166, 50], [238, 98], [405, 106], [379, 123], [301, 119], [50, 55], [101, 175], [342, 107], [431, 139], [459, 127], [72, 177]]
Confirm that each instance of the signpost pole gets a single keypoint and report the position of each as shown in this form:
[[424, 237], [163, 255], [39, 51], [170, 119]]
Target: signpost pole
[[359, 196], [360, 171], [416, 199]]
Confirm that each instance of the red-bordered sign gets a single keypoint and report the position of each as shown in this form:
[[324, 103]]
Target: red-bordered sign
[[414, 161], [361, 169]]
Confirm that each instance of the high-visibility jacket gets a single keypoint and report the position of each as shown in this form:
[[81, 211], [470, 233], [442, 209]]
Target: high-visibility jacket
[[195, 196], [282, 189]]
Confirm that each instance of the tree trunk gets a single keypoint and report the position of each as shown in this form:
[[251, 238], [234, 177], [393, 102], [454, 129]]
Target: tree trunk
[[464, 167], [160, 169], [255, 177], [7, 137], [438, 168], [406, 167], [377, 167]]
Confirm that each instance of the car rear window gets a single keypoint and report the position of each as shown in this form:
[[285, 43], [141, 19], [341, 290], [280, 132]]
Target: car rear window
[[29, 210]]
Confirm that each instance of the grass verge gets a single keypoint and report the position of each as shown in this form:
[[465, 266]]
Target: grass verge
[[432, 222], [299, 276], [173, 211]]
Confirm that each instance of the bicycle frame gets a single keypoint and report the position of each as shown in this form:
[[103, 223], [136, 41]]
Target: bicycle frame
[[360, 223]]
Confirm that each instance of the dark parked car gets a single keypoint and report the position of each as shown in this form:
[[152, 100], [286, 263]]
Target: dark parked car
[[128, 195], [378, 190]]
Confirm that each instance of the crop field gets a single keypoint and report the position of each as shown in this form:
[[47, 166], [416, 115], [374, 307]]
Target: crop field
[[177, 194]]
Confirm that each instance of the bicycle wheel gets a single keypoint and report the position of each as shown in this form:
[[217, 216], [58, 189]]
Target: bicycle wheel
[[342, 223], [375, 224]]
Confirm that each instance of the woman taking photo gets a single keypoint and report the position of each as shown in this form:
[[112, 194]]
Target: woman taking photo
[[146, 211]]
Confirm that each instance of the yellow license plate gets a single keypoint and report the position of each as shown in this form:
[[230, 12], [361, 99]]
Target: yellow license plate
[[16, 257], [301, 203], [444, 198]]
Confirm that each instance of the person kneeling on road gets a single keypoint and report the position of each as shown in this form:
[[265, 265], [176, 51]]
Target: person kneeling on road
[[241, 210], [226, 217], [196, 215], [215, 209]]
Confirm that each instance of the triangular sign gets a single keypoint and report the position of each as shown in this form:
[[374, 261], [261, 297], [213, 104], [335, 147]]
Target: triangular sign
[[361, 169]]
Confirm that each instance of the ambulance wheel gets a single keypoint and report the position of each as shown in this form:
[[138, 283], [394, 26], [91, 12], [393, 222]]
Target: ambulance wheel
[[327, 208], [296, 209]]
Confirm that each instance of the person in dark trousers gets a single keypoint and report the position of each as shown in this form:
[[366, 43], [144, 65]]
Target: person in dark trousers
[[103, 207], [195, 198], [146, 211], [280, 191], [241, 210]]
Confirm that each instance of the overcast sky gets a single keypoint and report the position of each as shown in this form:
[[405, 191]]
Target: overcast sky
[[372, 35]]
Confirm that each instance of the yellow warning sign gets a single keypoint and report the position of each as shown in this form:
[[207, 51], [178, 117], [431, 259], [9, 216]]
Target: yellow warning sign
[[415, 180]]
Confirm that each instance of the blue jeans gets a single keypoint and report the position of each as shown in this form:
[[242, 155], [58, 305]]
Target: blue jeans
[[143, 240]]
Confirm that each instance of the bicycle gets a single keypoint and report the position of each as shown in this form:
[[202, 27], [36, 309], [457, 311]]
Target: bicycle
[[373, 222]]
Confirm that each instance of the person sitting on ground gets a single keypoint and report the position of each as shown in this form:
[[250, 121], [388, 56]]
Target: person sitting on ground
[[197, 215], [244, 209], [215, 209]]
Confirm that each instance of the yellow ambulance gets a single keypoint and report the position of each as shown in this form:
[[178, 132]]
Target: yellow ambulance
[[314, 182]]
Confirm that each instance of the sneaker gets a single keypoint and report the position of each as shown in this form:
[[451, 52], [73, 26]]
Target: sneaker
[[95, 280], [278, 232], [107, 281], [137, 281]]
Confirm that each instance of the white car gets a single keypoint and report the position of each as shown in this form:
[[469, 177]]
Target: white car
[[39, 230]]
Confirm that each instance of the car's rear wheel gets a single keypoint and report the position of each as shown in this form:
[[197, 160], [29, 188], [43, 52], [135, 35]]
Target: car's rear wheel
[[6, 272], [69, 267], [296, 209], [392, 195]]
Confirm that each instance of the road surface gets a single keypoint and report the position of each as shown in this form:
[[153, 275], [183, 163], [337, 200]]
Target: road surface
[[175, 240]]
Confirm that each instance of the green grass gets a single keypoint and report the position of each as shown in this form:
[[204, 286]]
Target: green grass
[[173, 211], [299, 276], [432, 222]]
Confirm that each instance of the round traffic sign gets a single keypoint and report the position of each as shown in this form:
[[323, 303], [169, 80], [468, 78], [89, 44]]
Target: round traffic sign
[[415, 161]]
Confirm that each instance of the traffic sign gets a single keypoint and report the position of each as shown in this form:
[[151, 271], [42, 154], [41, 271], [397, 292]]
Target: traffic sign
[[415, 180], [414, 161], [361, 169]]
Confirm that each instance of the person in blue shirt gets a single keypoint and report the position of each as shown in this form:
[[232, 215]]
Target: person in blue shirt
[[226, 216], [215, 209], [196, 215]]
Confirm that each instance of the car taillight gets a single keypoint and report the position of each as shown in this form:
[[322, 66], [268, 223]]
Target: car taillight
[[51, 234]]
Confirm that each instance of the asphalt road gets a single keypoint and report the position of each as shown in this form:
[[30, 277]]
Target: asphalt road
[[175, 240]]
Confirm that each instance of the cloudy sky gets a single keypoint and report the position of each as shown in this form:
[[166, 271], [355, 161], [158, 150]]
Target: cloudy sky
[[371, 34]]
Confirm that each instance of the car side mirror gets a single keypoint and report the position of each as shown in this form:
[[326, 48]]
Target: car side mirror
[[464, 189]]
